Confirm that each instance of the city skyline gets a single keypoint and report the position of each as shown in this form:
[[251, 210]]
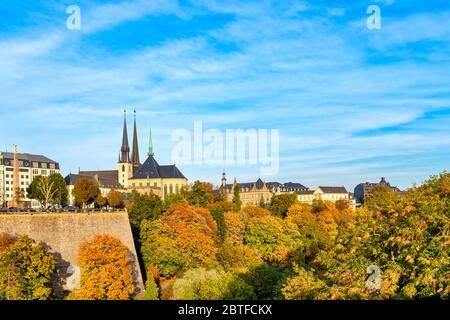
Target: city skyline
[[352, 104]]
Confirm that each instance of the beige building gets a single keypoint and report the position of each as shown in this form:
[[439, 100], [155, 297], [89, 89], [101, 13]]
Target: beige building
[[29, 166], [106, 182], [332, 194], [259, 192]]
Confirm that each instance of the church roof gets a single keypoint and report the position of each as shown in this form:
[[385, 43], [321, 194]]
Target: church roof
[[327, 189], [103, 182], [150, 169], [107, 174]]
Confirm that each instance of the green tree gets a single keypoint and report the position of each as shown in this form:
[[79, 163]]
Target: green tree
[[202, 284], [26, 270], [236, 197], [59, 184], [173, 199], [218, 215], [48, 190], [266, 281], [143, 207], [85, 192], [381, 199], [276, 240], [201, 194], [280, 203], [151, 289]]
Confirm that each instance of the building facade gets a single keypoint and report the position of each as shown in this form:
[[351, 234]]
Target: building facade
[[259, 192], [29, 166], [362, 189], [324, 193]]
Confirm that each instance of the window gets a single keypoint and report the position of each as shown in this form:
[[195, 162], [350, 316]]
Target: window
[[123, 168], [155, 184], [35, 171], [165, 190], [44, 172], [35, 165], [44, 166], [52, 166], [171, 189]]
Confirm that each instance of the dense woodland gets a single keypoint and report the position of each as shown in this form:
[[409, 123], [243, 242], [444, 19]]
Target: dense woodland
[[195, 245]]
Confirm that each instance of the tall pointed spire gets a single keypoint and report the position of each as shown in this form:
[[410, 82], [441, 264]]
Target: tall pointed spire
[[135, 152], [150, 145], [125, 150]]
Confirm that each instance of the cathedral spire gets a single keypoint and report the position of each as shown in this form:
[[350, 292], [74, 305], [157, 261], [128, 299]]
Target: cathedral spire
[[150, 145], [135, 152], [125, 150]]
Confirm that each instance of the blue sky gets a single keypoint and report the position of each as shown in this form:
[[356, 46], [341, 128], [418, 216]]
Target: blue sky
[[351, 104]]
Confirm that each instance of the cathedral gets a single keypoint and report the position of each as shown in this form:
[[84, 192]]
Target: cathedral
[[148, 177]]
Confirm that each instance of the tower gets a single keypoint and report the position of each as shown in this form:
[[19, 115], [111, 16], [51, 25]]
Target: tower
[[135, 152], [223, 186], [125, 166]]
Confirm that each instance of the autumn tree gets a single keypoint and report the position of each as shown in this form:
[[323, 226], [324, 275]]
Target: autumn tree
[[408, 242], [101, 201], [235, 227], [183, 238], [252, 212], [85, 192], [106, 271], [227, 206], [114, 199], [26, 270], [280, 203], [5, 241]]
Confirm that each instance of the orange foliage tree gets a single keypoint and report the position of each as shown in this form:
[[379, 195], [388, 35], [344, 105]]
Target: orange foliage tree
[[254, 212], [235, 227], [106, 270], [184, 237]]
